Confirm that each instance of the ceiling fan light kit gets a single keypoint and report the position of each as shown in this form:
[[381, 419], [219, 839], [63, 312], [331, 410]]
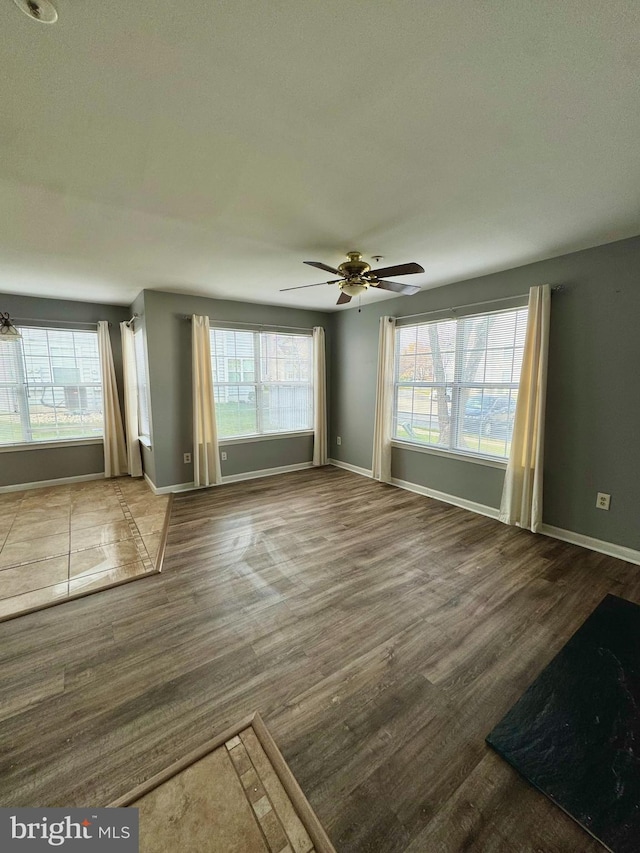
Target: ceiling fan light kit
[[355, 287], [42, 11], [356, 276], [8, 331]]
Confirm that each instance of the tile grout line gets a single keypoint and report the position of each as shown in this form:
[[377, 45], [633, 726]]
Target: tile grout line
[[133, 527], [11, 525], [257, 818], [142, 552]]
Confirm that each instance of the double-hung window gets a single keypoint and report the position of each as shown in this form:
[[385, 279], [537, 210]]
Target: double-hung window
[[50, 386], [456, 382], [262, 382], [142, 381]]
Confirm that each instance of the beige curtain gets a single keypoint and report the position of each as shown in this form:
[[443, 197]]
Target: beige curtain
[[115, 454], [522, 493], [382, 430], [206, 458], [134, 459], [319, 398]]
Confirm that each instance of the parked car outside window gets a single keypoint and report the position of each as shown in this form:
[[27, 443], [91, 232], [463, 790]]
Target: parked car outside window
[[490, 415]]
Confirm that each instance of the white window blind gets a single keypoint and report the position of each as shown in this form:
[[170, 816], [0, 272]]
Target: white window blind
[[50, 386], [144, 420], [262, 382], [456, 382]]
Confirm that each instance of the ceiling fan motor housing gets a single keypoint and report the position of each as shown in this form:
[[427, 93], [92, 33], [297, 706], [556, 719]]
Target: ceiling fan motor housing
[[355, 266]]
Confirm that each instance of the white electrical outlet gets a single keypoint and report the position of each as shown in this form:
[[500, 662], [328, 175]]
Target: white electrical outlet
[[603, 500], [338, 440], [187, 458], [223, 455]]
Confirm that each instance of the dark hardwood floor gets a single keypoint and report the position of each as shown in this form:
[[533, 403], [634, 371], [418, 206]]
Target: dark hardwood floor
[[380, 634]]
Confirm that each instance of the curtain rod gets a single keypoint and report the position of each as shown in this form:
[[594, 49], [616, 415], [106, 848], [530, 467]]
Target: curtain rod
[[256, 325], [132, 320], [43, 320], [556, 288]]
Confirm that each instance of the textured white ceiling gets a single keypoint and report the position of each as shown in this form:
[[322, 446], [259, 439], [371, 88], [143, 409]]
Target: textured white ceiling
[[212, 147]]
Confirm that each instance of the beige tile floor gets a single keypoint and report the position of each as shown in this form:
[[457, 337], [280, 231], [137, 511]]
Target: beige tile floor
[[61, 541], [232, 800]]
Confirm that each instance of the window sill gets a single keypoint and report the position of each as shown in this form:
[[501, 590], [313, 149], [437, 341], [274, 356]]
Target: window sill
[[268, 436], [145, 441], [487, 461], [39, 445]]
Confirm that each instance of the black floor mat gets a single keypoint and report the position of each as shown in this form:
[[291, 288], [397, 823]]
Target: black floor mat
[[575, 733]]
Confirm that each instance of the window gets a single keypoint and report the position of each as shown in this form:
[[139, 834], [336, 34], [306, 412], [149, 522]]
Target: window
[[262, 382], [456, 382], [50, 386], [142, 380]]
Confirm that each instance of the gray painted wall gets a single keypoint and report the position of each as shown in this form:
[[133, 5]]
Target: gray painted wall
[[38, 464], [593, 403], [169, 352]]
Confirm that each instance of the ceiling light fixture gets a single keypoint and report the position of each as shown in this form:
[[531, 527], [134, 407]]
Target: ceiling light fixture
[[354, 286], [42, 11], [8, 331]]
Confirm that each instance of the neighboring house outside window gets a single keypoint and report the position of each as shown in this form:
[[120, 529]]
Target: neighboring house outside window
[[262, 382], [456, 382], [50, 386]]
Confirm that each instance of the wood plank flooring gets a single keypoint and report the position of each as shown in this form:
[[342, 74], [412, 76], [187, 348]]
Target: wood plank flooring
[[380, 634]]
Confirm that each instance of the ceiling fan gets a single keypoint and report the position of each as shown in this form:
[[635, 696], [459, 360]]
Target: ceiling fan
[[356, 276]]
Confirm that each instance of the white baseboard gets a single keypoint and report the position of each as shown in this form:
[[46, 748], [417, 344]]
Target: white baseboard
[[621, 552], [230, 478], [266, 472], [463, 503], [167, 490], [364, 472], [60, 481]]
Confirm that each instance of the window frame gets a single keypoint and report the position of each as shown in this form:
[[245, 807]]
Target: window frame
[[257, 384], [23, 384], [456, 385], [142, 388]]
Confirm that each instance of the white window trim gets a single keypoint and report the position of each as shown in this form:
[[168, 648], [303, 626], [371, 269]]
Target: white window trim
[[261, 436], [39, 445], [57, 442], [476, 458], [450, 452]]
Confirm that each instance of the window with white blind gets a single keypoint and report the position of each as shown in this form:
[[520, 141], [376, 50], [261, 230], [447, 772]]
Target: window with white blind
[[142, 380], [50, 386], [262, 382], [456, 382]]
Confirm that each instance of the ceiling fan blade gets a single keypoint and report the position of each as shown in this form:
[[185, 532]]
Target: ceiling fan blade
[[343, 299], [300, 286], [401, 269], [407, 289], [319, 265]]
